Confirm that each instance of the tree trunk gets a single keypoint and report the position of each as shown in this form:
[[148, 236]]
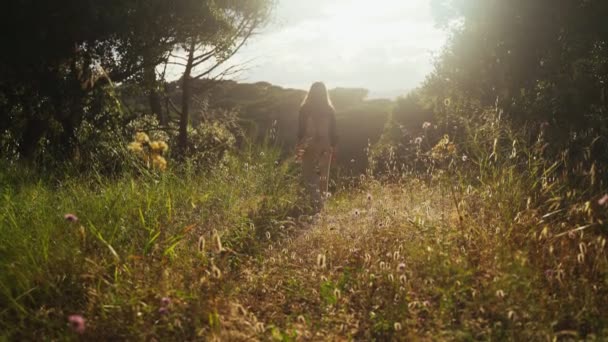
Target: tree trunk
[[151, 85], [185, 114], [33, 132]]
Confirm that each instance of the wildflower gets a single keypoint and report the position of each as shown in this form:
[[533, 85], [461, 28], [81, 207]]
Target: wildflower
[[401, 267], [159, 147], [357, 212], [159, 162], [165, 301], [418, 141], [70, 217], [603, 200], [447, 102], [464, 158], [268, 235], [426, 125], [77, 323], [163, 310], [403, 279], [500, 294], [397, 326], [301, 319], [142, 138], [136, 147], [369, 197]]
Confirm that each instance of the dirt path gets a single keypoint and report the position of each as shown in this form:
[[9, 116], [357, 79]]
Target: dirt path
[[353, 274]]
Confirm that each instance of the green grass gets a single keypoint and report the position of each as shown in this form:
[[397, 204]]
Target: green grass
[[136, 240], [505, 246]]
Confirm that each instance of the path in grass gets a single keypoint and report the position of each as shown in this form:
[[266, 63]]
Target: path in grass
[[354, 273]]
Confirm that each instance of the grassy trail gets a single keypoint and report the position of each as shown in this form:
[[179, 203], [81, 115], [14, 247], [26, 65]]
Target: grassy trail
[[359, 271]]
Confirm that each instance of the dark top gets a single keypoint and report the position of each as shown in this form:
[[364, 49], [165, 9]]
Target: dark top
[[305, 112]]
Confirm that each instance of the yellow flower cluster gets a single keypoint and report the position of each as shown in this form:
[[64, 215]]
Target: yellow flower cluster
[[149, 151], [444, 149]]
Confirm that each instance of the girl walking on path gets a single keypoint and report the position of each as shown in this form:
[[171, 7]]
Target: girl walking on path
[[317, 141]]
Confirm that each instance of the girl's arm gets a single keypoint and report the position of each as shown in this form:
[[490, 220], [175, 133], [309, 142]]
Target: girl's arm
[[333, 132]]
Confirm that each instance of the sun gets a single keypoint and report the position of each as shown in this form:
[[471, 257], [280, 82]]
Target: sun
[[353, 26]]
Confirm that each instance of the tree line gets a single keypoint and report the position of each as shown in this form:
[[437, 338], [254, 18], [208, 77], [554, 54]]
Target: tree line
[[64, 60]]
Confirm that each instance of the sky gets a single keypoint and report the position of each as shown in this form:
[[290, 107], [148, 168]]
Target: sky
[[385, 46]]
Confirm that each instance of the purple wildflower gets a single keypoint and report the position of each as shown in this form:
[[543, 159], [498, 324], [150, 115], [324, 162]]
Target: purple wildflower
[[165, 301], [70, 217], [163, 311], [77, 323]]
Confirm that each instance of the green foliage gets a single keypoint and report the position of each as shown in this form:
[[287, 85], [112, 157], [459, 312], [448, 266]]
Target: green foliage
[[136, 240]]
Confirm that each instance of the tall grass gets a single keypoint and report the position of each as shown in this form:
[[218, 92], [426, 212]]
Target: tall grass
[[138, 237]]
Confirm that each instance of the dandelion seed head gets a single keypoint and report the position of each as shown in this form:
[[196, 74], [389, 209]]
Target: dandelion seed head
[[426, 125], [418, 141]]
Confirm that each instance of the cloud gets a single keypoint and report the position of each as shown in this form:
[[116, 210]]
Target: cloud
[[384, 47]]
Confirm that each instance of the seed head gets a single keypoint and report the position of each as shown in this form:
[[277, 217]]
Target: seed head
[[216, 272], [321, 261], [201, 244]]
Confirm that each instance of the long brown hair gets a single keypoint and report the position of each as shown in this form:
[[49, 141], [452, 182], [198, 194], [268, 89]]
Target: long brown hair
[[318, 98]]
